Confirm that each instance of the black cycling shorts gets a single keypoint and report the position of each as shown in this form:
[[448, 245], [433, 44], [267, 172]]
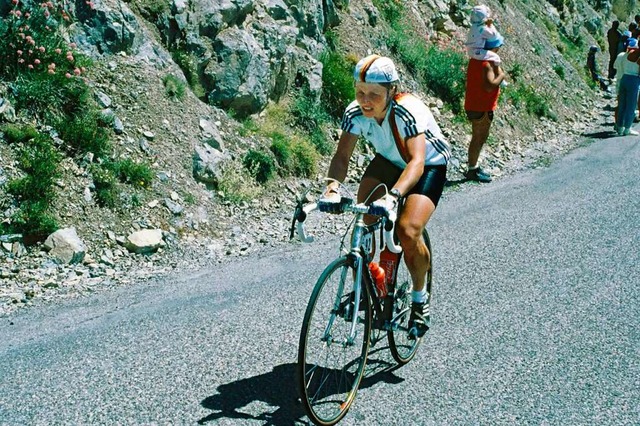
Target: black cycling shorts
[[430, 184]]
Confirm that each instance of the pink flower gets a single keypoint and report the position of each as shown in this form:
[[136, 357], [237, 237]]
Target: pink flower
[[18, 13], [21, 61], [67, 75], [46, 14], [49, 4], [52, 66], [51, 71], [41, 49], [19, 52], [58, 51], [30, 66], [72, 45], [36, 61], [27, 15], [14, 1], [70, 58], [77, 71]]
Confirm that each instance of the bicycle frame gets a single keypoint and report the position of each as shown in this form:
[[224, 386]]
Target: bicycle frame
[[359, 257]]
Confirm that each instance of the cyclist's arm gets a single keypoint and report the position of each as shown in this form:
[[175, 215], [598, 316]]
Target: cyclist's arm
[[340, 161], [416, 151]]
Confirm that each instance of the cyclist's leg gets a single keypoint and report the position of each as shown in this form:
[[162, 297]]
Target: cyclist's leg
[[419, 206], [416, 213]]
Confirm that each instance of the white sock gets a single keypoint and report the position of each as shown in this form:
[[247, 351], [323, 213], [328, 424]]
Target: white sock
[[419, 296], [473, 168]]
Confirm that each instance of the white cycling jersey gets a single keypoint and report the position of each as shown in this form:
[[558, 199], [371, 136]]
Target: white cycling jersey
[[412, 117]]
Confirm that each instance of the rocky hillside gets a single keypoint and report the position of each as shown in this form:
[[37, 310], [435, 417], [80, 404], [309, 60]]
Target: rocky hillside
[[240, 62]]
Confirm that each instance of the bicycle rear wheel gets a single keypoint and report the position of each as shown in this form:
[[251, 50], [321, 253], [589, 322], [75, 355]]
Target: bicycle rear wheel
[[402, 348], [330, 362]]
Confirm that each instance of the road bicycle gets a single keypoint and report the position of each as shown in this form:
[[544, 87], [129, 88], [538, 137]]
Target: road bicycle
[[344, 309]]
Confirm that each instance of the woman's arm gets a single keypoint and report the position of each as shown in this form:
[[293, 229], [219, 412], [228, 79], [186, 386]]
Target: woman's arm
[[340, 161]]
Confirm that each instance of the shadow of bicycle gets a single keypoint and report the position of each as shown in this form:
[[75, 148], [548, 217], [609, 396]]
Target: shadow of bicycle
[[278, 389]]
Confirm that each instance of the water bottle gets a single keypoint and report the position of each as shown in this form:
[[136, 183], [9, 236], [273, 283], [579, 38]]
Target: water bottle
[[389, 262], [378, 275]]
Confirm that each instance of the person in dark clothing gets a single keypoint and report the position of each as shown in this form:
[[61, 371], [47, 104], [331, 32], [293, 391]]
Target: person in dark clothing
[[592, 66], [613, 37]]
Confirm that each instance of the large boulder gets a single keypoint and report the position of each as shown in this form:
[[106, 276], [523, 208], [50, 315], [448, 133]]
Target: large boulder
[[65, 246]]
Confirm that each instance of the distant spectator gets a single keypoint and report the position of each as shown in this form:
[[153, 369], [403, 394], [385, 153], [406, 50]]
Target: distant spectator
[[622, 44], [636, 33], [628, 88], [633, 28], [484, 79], [613, 37], [592, 66]]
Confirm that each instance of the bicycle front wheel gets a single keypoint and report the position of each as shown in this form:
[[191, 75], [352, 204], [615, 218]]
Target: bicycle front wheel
[[402, 348], [334, 342]]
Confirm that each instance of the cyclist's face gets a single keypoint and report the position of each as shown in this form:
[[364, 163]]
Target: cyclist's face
[[373, 99]]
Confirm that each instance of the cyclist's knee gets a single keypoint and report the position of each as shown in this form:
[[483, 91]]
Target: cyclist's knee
[[410, 234]]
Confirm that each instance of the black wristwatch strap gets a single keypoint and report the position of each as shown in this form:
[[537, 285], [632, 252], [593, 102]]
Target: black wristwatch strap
[[396, 193]]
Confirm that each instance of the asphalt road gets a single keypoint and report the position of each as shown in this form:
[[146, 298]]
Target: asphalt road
[[536, 321]]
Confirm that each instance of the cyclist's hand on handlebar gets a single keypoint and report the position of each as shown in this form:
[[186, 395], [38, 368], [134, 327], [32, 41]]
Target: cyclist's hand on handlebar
[[330, 195], [387, 202]]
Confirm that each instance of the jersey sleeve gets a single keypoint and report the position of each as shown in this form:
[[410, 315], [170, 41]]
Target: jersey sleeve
[[350, 121], [414, 118]]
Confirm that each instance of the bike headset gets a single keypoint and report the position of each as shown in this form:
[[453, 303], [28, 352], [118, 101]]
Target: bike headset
[[379, 70]]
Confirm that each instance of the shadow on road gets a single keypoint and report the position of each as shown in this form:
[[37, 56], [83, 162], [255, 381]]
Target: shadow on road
[[455, 182], [605, 134], [279, 390]]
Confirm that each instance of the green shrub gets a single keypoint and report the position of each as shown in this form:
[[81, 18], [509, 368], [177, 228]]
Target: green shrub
[[320, 141], [16, 133], [128, 171], [559, 69], [516, 71], [39, 159], [106, 189], [282, 151], [188, 63], [85, 132], [524, 96], [236, 184], [260, 165], [309, 115], [173, 87], [51, 97], [443, 70], [337, 83], [33, 220], [305, 159]]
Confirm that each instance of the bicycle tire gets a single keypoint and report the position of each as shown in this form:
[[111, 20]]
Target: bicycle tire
[[402, 348], [328, 386]]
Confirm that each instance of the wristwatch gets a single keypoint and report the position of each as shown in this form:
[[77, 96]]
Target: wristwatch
[[396, 193]]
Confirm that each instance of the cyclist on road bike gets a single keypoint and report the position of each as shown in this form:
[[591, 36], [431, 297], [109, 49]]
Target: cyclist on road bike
[[411, 159]]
